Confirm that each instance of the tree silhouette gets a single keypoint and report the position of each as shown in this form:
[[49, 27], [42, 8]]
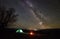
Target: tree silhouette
[[7, 16]]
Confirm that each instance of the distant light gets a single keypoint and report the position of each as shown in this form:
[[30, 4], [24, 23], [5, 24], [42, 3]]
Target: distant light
[[35, 29], [19, 31], [41, 23]]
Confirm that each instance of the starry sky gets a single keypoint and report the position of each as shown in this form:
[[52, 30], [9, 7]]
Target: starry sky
[[35, 14]]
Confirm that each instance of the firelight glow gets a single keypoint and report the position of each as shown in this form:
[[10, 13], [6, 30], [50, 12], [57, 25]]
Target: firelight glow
[[31, 33]]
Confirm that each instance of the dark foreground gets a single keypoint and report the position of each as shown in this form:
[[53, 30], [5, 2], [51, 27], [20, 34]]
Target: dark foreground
[[40, 34]]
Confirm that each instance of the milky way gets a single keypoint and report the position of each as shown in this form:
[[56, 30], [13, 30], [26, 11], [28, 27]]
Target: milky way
[[40, 14]]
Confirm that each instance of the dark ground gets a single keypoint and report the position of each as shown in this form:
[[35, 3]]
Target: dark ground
[[43, 34]]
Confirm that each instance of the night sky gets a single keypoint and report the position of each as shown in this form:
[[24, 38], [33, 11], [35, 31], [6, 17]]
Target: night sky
[[35, 14]]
